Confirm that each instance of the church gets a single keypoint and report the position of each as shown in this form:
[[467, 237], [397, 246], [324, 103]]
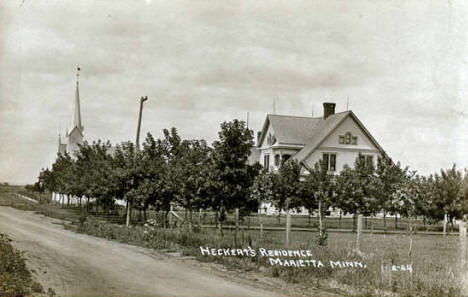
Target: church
[[74, 135], [335, 138]]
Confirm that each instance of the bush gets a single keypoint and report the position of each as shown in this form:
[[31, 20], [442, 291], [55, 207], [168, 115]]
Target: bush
[[322, 239], [15, 278]]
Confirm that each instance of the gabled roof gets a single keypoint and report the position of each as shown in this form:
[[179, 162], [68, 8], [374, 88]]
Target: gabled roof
[[325, 128], [308, 131], [290, 129]]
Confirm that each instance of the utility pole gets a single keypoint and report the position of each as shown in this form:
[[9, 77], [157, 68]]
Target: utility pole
[[142, 99], [137, 144]]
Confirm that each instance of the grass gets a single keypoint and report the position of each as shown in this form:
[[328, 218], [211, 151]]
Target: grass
[[434, 258], [15, 278]]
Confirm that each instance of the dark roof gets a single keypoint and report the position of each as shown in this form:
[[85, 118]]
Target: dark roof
[[298, 130], [293, 130]]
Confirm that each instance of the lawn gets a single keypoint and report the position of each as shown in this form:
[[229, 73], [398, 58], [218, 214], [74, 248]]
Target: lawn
[[434, 262]]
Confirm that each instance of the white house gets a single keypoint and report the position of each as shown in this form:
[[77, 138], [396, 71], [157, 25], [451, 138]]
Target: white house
[[337, 138]]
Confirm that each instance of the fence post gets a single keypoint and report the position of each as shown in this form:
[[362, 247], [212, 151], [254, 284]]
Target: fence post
[[359, 231], [288, 227], [463, 270], [237, 226], [200, 219], [445, 224], [261, 230], [462, 237], [170, 216]]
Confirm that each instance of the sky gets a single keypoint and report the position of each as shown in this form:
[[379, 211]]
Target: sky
[[401, 65]]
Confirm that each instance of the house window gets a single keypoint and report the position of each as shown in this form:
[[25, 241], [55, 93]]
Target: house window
[[366, 159], [329, 161], [266, 162], [285, 158], [348, 138], [277, 160]]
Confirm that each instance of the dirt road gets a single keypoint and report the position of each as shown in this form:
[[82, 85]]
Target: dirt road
[[80, 265]]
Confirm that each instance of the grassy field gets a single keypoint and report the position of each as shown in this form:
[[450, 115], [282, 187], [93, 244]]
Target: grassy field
[[435, 270], [434, 259]]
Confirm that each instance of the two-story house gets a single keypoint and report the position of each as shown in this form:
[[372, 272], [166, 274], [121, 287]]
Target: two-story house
[[337, 138]]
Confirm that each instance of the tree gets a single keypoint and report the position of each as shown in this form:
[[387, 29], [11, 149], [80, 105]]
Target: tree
[[348, 191], [319, 190], [47, 180], [355, 189], [127, 175], [187, 170], [62, 170], [289, 187], [449, 193], [154, 186], [265, 188], [231, 175], [94, 174], [388, 179], [407, 198]]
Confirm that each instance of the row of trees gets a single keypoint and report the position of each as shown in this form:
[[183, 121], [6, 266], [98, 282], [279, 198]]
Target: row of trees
[[164, 172], [367, 189], [194, 175]]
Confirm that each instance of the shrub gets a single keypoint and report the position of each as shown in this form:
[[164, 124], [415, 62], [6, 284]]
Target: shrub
[[15, 279]]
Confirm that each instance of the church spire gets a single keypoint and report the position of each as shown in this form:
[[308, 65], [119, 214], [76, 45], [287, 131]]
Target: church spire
[[76, 120]]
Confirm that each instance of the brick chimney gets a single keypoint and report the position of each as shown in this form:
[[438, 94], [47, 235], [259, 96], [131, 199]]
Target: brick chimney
[[328, 109]]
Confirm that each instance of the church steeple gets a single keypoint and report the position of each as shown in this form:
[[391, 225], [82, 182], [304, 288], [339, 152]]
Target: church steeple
[[75, 136], [76, 119]]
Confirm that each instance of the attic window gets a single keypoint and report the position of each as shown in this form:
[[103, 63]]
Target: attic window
[[348, 138], [271, 139]]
